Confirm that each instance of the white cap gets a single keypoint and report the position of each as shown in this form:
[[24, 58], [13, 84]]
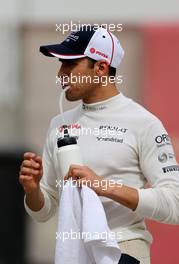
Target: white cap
[[95, 43]]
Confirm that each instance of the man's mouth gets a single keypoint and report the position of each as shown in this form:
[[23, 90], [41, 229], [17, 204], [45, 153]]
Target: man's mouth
[[66, 86], [64, 79]]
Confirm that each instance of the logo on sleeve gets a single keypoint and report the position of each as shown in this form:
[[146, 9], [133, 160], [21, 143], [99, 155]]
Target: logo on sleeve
[[162, 140], [164, 157], [170, 168]]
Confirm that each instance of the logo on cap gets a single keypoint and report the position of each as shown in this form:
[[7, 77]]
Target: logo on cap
[[73, 37], [92, 50]]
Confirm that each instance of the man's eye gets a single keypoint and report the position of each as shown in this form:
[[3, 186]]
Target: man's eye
[[73, 63], [70, 63]]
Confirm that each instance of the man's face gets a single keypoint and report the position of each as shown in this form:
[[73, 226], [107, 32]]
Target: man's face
[[78, 74]]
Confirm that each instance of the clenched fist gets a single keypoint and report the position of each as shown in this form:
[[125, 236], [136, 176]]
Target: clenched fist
[[31, 172]]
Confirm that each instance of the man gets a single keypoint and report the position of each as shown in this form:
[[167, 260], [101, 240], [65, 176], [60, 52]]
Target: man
[[131, 147]]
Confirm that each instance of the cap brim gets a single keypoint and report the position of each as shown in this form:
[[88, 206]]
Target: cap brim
[[60, 51]]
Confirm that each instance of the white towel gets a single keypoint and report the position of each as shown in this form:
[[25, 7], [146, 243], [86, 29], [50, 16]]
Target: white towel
[[83, 235]]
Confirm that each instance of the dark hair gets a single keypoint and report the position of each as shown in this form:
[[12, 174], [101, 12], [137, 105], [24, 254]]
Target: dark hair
[[112, 71]]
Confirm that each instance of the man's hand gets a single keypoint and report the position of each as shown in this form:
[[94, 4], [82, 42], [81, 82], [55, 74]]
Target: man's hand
[[31, 172], [118, 192], [85, 176]]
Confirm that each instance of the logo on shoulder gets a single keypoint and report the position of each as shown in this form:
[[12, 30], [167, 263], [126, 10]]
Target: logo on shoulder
[[164, 157], [162, 140]]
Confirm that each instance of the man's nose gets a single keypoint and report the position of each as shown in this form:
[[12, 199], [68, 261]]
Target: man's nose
[[63, 78], [64, 70], [60, 73]]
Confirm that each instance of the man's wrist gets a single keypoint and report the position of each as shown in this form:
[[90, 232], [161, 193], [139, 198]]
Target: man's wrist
[[109, 188], [35, 200], [34, 192]]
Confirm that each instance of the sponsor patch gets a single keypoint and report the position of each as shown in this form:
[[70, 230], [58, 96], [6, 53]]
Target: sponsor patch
[[115, 128], [170, 168], [86, 107], [164, 157], [162, 140], [115, 140]]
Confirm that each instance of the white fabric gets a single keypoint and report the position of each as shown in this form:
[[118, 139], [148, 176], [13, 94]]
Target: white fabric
[[130, 155], [105, 46], [83, 234]]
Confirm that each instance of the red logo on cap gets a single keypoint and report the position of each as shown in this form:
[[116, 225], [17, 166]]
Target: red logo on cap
[[92, 50], [101, 54]]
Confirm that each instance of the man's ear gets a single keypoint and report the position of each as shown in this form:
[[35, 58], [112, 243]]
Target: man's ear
[[101, 68]]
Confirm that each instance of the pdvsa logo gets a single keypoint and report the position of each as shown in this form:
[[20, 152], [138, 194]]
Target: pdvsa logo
[[93, 50]]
